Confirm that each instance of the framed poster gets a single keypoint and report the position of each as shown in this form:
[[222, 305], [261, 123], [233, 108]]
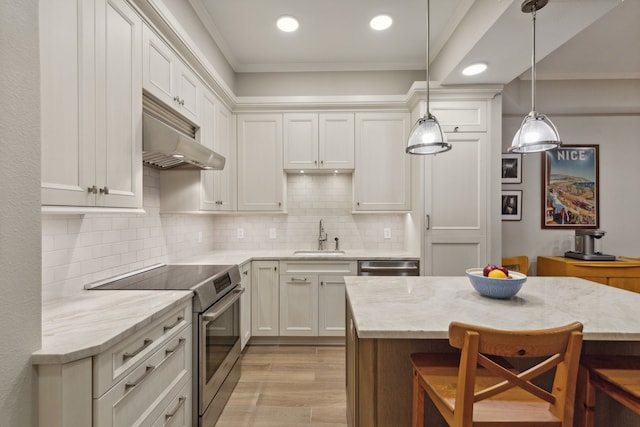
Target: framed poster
[[511, 168], [570, 187], [511, 205]]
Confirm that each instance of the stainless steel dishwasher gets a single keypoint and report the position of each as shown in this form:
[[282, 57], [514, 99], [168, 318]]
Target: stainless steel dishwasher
[[389, 267]]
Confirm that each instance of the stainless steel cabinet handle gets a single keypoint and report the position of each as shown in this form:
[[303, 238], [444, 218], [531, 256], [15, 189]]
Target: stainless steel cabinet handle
[[93, 190], [146, 343], [322, 162], [172, 414], [428, 221], [173, 325], [298, 279], [176, 99], [147, 372], [170, 351], [104, 190]]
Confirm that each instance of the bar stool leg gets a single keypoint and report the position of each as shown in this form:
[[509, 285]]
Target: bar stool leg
[[587, 410]]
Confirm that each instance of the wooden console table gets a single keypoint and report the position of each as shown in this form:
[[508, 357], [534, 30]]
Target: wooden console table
[[623, 273]]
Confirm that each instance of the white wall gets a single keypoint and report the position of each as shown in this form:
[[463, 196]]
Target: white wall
[[575, 109], [19, 211], [79, 249]]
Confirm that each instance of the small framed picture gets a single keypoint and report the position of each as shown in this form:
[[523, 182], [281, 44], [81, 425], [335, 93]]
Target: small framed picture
[[511, 205], [511, 168]]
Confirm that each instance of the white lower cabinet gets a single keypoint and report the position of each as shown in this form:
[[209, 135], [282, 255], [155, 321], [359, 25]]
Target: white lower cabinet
[[245, 304], [298, 305], [264, 298], [144, 380], [312, 297]]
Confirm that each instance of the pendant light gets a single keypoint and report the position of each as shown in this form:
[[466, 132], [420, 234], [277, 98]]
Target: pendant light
[[537, 132], [426, 136]]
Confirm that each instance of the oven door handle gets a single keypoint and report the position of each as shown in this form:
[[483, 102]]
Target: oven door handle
[[221, 306]]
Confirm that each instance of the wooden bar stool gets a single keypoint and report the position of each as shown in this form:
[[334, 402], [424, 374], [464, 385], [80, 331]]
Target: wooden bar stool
[[471, 389], [617, 376], [517, 263]]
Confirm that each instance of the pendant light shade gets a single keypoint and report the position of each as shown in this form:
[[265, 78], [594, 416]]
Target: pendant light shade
[[427, 137], [537, 132]]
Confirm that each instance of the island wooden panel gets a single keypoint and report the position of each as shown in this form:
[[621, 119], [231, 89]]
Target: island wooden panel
[[623, 273]]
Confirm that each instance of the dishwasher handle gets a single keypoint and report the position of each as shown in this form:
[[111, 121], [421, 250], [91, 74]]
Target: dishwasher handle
[[389, 268]]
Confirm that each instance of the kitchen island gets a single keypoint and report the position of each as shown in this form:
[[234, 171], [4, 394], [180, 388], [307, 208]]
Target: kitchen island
[[388, 318]]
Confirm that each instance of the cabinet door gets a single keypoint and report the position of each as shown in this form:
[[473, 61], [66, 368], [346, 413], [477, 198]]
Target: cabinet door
[[189, 92], [456, 189], [245, 304], [119, 104], [67, 90], [467, 116], [331, 305], [167, 78], [298, 305], [265, 298], [225, 144], [300, 141], [260, 173], [382, 173], [159, 67], [336, 141]]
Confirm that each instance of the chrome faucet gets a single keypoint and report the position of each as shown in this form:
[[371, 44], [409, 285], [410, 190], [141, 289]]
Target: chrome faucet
[[322, 237]]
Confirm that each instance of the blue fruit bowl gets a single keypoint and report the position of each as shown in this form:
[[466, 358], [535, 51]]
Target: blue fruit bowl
[[493, 287]]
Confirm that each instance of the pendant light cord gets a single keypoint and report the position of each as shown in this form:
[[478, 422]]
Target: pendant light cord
[[426, 114], [533, 62]]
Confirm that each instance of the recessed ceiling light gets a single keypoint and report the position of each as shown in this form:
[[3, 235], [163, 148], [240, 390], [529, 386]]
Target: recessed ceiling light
[[474, 69], [381, 22], [287, 23]]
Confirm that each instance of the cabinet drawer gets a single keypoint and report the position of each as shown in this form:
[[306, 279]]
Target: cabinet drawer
[[178, 412], [347, 268], [112, 365], [132, 400]]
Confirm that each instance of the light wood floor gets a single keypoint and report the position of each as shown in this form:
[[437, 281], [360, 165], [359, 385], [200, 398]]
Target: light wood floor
[[287, 386]]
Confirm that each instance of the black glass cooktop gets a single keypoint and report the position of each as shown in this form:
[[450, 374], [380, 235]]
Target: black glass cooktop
[[172, 277], [209, 283]]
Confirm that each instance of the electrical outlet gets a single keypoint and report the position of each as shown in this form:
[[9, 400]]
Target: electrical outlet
[[240, 233], [199, 236], [272, 233], [387, 233]]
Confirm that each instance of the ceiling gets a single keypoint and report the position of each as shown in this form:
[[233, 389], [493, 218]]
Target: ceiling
[[575, 38]]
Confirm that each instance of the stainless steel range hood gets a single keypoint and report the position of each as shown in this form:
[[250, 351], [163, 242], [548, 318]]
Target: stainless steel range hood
[[168, 140]]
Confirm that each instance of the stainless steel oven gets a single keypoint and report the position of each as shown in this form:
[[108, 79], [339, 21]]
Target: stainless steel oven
[[219, 352], [216, 332]]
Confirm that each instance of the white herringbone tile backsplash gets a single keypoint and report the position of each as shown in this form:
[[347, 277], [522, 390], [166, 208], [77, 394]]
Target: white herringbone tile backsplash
[[79, 249]]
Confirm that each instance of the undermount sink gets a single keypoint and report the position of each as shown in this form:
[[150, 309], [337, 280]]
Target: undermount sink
[[318, 253]]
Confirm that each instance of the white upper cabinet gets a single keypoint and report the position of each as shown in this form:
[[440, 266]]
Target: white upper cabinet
[[91, 97], [319, 141], [167, 78], [260, 175], [218, 133], [383, 169]]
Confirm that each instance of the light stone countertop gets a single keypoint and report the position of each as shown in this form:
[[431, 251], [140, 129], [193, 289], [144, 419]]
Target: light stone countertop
[[90, 322], [239, 256], [423, 307]]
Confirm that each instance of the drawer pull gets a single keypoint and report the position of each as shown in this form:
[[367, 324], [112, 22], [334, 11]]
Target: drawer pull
[[170, 351], [173, 325], [181, 401], [298, 279], [128, 355], [147, 372]]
